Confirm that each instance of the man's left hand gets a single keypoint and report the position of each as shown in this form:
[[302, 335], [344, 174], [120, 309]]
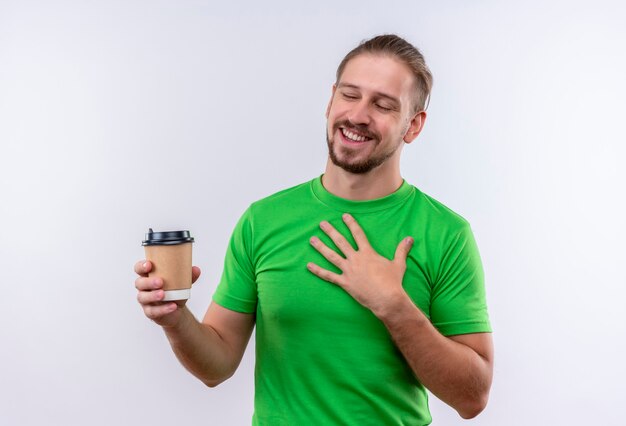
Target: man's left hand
[[371, 279]]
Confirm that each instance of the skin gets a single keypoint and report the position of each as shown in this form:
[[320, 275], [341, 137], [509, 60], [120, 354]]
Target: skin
[[372, 98], [212, 349], [368, 85]]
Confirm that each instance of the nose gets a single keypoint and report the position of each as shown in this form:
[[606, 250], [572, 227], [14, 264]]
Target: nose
[[359, 113]]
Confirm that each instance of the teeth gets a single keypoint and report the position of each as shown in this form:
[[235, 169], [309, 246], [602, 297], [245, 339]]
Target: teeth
[[348, 134]]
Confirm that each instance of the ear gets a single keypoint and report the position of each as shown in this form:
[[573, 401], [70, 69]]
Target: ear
[[415, 126], [331, 100]]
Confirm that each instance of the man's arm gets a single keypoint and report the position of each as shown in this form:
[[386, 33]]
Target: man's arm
[[457, 369], [211, 350]]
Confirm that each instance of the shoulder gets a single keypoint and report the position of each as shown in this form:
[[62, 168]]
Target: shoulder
[[263, 216], [437, 215], [284, 199]]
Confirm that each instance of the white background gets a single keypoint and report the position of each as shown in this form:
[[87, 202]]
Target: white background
[[119, 115]]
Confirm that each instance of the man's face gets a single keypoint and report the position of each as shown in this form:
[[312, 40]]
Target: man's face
[[370, 113]]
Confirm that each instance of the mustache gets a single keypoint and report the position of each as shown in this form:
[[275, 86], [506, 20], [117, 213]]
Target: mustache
[[358, 128]]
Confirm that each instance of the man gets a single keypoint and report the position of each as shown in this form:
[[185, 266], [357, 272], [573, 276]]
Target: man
[[364, 290]]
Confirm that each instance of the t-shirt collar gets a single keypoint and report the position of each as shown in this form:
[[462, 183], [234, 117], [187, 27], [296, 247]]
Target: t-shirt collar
[[352, 206]]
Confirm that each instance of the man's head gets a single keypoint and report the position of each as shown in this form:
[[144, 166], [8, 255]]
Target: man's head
[[377, 103], [392, 46]]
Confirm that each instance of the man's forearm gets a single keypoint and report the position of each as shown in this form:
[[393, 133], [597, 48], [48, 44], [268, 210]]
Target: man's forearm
[[452, 371], [201, 350]]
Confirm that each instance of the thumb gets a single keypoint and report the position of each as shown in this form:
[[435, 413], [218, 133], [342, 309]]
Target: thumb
[[403, 250], [195, 273]]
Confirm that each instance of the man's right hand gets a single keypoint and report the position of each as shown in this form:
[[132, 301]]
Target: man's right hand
[[210, 350], [150, 296]]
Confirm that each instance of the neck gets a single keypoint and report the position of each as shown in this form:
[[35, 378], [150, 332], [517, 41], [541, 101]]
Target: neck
[[376, 183]]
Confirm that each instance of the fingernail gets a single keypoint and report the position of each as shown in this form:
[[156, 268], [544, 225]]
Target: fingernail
[[144, 265], [409, 241], [346, 216], [313, 240], [323, 224]]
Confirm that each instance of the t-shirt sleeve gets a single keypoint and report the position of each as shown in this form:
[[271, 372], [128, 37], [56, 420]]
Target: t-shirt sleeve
[[237, 288], [458, 302]]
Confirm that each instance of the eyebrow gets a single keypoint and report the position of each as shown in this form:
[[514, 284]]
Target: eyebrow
[[379, 94]]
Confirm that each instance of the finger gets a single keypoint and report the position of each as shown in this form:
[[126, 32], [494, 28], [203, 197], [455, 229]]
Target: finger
[[325, 274], [148, 297], [330, 255], [195, 274], [403, 249], [146, 284], [339, 240], [143, 267], [357, 232], [155, 312]]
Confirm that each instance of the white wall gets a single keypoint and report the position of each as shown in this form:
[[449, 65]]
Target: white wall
[[119, 115]]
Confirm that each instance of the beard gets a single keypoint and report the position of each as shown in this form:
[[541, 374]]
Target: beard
[[347, 158]]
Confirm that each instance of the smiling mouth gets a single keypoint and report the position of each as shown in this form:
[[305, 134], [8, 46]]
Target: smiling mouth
[[351, 136]]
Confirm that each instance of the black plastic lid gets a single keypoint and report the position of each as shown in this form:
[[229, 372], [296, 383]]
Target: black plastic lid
[[166, 238]]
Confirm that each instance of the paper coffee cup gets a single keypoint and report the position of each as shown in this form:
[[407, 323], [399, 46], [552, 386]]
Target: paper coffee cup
[[170, 254]]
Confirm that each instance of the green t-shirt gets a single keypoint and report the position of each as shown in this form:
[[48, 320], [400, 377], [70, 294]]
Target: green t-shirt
[[321, 357]]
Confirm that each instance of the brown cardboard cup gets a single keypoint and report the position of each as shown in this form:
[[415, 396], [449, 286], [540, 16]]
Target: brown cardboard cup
[[170, 254]]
